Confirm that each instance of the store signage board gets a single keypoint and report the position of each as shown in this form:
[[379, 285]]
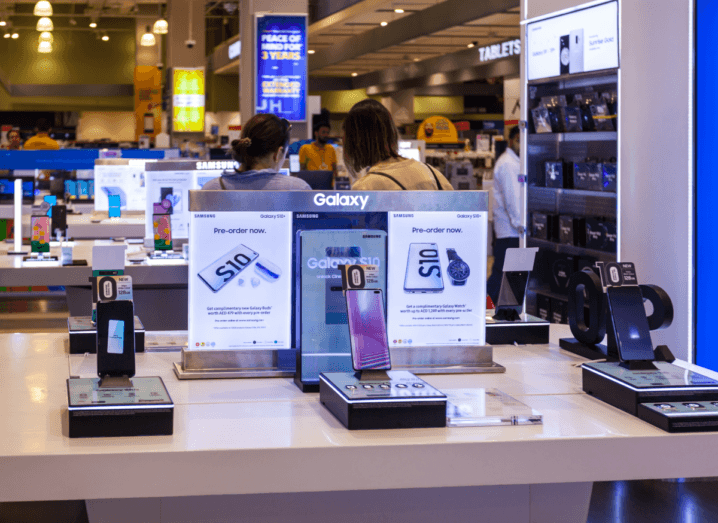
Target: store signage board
[[188, 90], [498, 51], [234, 50], [579, 41], [247, 267], [281, 65], [123, 177]]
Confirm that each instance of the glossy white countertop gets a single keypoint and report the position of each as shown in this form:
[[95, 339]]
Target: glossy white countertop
[[265, 436]]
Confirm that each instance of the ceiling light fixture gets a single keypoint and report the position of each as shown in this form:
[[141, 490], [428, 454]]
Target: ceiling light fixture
[[15, 36], [416, 59], [6, 35], [42, 8], [3, 23], [93, 24], [148, 39], [46, 36], [398, 10], [44, 47], [105, 38], [355, 74], [311, 51], [44, 24], [470, 45], [383, 24], [160, 27]]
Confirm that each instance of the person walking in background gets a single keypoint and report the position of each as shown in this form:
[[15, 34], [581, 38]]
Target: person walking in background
[[42, 139], [319, 155], [507, 209]]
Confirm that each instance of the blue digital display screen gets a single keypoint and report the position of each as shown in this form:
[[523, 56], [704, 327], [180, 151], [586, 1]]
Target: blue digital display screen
[[282, 66], [7, 188]]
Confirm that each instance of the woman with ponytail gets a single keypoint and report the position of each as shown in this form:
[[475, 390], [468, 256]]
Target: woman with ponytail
[[260, 152]]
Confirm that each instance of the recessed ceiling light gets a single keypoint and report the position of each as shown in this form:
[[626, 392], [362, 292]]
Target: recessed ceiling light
[[398, 10], [311, 51], [6, 35], [355, 74], [105, 38], [15, 36], [470, 45], [3, 23], [416, 59], [383, 24], [93, 24]]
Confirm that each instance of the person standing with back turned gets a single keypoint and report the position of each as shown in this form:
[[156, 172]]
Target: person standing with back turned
[[42, 140], [507, 210]]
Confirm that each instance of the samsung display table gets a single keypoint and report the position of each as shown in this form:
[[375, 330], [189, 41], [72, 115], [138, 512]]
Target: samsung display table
[[261, 448], [160, 289]]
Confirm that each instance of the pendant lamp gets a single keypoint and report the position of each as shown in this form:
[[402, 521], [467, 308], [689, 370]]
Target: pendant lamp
[[44, 47], [148, 39], [44, 24], [42, 8]]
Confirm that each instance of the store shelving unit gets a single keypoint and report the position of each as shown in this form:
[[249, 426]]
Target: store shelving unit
[[569, 147]]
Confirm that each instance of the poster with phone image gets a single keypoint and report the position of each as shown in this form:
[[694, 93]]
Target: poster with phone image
[[120, 177], [40, 239], [437, 279], [170, 190], [240, 281]]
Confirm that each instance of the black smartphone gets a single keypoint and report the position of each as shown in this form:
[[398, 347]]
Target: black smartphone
[[59, 218], [115, 338], [165, 193], [367, 330], [630, 324]]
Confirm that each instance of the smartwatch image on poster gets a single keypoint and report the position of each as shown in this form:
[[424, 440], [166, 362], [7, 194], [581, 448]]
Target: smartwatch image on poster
[[367, 330], [564, 54], [218, 273], [458, 270], [423, 269]]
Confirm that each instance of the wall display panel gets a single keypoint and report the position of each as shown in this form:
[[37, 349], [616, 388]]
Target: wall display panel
[[188, 99], [123, 178], [264, 269], [582, 41]]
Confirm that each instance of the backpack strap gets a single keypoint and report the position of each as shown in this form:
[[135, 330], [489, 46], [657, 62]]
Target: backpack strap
[[221, 183], [390, 177], [436, 178]]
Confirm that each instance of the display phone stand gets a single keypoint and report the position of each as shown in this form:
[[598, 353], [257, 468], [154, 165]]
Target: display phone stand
[[510, 324], [39, 257], [115, 382], [166, 255], [641, 380], [371, 375]]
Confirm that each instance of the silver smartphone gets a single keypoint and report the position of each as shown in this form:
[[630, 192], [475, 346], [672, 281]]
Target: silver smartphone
[[575, 63], [423, 269], [218, 273]]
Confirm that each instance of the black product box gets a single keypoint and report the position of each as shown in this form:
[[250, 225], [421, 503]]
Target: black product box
[[554, 174], [584, 262], [83, 335], [610, 177], [543, 306], [539, 226], [611, 236], [559, 311], [572, 230], [595, 234], [562, 267], [587, 176]]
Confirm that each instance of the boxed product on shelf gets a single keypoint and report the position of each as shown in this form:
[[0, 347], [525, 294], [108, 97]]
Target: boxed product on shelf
[[611, 236], [611, 98], [556, 109], [609, 171], [582, 101], [543, 307], [539, 226], [572, 119], [541, 119], [559, 311], [595, 234], [554, 174], [572, 230], [562, 267], [601, 117], [587, 176]]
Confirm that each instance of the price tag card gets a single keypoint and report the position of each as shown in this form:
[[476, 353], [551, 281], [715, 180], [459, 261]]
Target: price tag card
[[110, 288], [617, 274], [360, 277]]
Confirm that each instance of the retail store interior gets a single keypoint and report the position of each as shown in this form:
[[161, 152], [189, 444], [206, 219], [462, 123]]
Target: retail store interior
[[115, 113]]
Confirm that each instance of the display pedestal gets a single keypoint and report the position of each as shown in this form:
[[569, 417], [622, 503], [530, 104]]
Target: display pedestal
[[529, 330], [250, 363], [165, 255], [83, 335], [118, 407], [399, 400]]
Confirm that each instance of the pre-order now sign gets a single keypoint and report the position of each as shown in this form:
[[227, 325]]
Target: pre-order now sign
[[281, 64]]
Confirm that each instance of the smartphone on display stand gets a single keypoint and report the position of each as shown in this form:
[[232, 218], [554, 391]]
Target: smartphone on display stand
[[162, 226], [166, 194], [630, 324], [40, 239], [115, 338], [575, 64], [423, 269], [367, 330]]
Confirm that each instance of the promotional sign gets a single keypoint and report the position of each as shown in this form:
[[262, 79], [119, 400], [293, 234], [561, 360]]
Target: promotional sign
[[188, 99], [171, 181], [437, 272], [577, 42], [240, 280], [437, 129], [148, 101], [281, 66], [266, 269], [123, 178]]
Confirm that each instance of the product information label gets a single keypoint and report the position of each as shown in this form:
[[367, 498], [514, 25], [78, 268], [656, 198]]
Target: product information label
[[437, 278], [240, 280], [125, 181]]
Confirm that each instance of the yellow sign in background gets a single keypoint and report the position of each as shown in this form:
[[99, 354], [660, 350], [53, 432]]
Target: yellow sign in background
[[148, 101], [437, 129], [188, 100]]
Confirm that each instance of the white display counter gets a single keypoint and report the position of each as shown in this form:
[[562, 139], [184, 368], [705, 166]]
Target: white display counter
[[261, 438]]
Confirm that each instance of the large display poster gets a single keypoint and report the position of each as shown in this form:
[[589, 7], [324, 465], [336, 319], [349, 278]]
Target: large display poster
[[581, 41], [240, 280], [188, 92], [125, 178], [281, 66], [173, 187], [437, 278]]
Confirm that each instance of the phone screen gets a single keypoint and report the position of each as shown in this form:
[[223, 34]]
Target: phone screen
[[423, 269], [630, 323], [367, 330], [115, 338]]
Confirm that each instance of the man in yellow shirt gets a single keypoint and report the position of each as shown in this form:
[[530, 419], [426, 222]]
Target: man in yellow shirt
[[318, 155], [42, 139]]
